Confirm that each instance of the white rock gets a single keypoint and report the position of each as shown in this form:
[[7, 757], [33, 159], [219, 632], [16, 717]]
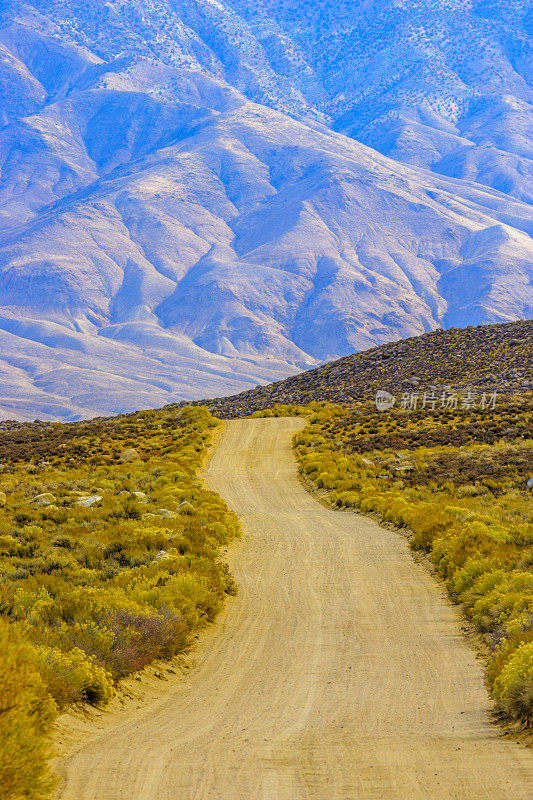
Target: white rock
[[88, 502], [44, 499], [140, 497]]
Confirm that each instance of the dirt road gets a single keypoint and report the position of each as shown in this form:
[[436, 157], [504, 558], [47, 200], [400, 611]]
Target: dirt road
[[338, 673]]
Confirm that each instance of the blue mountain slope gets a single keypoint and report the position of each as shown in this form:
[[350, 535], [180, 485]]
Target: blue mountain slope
[[188, 205]]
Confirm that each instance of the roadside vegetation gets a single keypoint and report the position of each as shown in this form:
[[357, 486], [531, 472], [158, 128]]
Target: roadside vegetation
[[109, 559], [458, 482]]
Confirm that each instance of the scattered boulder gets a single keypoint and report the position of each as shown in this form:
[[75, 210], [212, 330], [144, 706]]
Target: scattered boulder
[[139, 496], [128, 455], [166, 514], [89, 502], [162, 555], [44, 499], [186, 508], [530, 483], [404, 468]]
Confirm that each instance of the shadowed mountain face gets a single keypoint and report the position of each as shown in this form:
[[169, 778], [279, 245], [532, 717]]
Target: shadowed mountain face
[[186, 207]]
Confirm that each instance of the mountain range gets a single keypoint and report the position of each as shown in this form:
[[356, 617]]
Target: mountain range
[[202, 196]]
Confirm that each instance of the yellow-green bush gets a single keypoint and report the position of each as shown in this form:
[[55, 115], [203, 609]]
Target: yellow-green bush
[[74, 677], [26, 716], [513, 688]]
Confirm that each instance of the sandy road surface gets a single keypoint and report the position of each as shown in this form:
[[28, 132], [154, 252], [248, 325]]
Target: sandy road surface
[[339, 673]]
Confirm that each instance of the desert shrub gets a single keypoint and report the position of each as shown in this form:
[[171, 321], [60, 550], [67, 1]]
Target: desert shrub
[[464, 578], [73, 677], [513, 688], [142, 638], [63, 541], [427, 523], [131, 509], [26, 716], [470, 490]]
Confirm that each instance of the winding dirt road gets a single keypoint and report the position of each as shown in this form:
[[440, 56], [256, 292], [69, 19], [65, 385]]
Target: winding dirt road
[[338, 673]]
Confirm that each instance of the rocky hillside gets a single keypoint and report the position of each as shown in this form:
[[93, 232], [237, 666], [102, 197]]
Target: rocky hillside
[[488, 358], [190, 205], [440, 83]]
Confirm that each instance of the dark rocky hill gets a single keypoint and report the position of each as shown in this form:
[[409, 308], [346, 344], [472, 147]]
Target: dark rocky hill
[[488, 358]]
